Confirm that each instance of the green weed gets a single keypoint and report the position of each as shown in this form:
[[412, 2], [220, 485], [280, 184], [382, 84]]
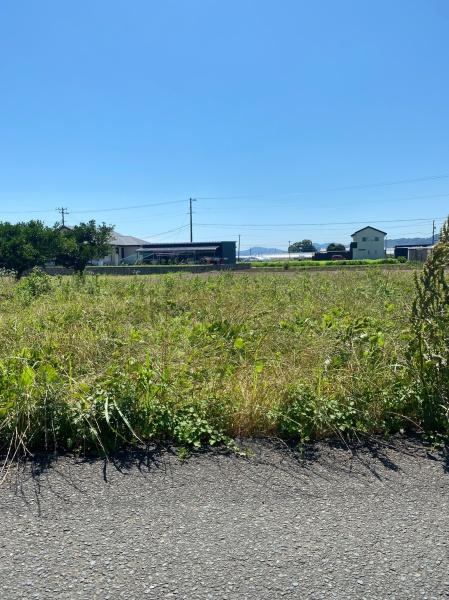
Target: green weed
[[91, 362]]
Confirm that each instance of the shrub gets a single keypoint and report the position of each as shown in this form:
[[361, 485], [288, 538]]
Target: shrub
[[429, 346], [33, 285]]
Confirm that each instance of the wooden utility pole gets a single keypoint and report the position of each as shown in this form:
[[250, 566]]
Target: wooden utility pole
[[289, 243], [433, 233], [64, 211], [238, 251]]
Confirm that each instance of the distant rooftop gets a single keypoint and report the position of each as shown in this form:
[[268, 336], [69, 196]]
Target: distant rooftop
[[117, 239], [368, 227]]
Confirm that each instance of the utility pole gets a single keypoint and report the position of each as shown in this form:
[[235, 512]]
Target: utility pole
[[289, 243], [238, 251], [63, 211], [433, 233], [191, 220]]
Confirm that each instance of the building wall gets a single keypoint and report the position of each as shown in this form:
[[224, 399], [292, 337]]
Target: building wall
[[367, 244], [118, 254], [228, 252], [149, 270], [419, 254]]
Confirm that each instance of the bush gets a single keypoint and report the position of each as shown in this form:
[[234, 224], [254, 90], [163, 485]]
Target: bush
[[33, 285], [429, 346]]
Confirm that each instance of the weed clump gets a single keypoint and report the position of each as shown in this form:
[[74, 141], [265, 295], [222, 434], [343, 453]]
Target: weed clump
[[429, 346], [34, 285]]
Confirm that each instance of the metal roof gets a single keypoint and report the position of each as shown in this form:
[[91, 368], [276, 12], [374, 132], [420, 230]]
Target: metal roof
[[117, 239], [368, 227], [174, 249]]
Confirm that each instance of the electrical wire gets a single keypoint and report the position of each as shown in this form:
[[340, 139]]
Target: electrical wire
[[273, 225], [93, 210], [165, 232], [334, 189]]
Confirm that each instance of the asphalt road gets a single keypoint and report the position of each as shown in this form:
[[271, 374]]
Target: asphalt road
[[274, 525]]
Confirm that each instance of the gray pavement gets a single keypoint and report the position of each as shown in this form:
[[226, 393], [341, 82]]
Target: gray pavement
[[275, 525]]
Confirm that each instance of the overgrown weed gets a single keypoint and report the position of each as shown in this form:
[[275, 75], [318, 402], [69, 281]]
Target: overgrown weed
[[97, 362]]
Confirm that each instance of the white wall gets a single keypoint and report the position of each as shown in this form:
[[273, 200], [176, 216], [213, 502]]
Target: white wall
[[116, 257], [367, 244]]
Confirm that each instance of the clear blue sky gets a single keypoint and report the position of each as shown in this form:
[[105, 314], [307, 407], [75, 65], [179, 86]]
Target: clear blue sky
[[288, 110]]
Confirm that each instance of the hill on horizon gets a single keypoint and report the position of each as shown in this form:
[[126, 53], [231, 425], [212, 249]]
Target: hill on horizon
[[416, 241], [261, 250]]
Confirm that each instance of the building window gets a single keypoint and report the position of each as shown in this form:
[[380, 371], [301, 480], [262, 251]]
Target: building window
[[376, 239], [363, 239]]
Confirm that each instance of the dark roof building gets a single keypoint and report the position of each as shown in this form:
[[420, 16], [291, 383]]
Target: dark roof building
[[213, 252]]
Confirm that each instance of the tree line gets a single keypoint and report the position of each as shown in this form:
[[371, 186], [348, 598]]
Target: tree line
[[307, 246], [30, 244]]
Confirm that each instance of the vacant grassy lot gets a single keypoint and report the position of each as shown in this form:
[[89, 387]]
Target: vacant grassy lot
[[333, 264], [96, 361]]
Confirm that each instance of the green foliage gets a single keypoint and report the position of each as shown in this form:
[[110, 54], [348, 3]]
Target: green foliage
[[97, 362], [81, 244], [34, 285], [429, 345], [303, 246], [305, 264], [334, 247], [26, 245]]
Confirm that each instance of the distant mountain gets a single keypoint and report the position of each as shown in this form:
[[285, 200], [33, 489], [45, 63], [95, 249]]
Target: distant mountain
[[416, 241], [261, 250]]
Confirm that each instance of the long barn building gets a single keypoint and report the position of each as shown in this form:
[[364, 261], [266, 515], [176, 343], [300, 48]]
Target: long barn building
[[191, 252]]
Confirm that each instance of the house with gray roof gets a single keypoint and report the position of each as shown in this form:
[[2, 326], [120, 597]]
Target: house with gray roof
[[122, 246]]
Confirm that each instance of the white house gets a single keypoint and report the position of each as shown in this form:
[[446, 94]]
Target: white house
[[122, 246], [368, 242]]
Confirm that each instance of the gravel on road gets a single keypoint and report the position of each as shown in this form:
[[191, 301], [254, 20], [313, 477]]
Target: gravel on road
[[277, 524]]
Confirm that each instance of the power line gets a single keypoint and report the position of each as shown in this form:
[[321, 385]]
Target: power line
[[128, 207], [92, 210], [165, 232], [248, 196], [334, 189], [275, 198], [272, 225], [254, 230]]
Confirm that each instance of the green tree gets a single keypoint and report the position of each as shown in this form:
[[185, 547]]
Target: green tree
[[302, 246], [26, 245], [334, 247], [81, 244]]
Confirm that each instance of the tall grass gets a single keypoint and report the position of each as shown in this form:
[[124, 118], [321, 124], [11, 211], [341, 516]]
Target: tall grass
[[308, 263], [95, 361]]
